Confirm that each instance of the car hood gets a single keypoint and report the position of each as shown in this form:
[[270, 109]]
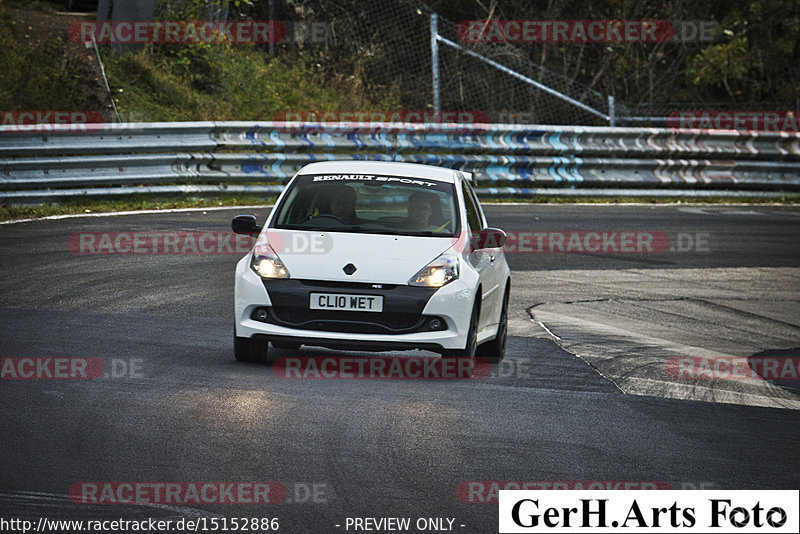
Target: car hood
[[388, 259]]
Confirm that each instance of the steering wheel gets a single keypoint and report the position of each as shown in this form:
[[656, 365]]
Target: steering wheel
[[330, 216]]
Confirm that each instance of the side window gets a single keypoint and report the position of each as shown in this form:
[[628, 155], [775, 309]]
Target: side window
[[478, 206], [473, 215]]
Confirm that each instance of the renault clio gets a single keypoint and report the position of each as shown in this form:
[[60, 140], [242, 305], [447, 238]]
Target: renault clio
[[374, 256]]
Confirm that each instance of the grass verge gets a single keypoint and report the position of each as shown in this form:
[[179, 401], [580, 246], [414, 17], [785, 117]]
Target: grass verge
[[133, 203]]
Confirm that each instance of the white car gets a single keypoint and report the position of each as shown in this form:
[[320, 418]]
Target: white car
[[363, 255]]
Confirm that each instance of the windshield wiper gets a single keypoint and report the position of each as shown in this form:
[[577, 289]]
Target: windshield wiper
[[386, 231], [301, 227], [357, 228]]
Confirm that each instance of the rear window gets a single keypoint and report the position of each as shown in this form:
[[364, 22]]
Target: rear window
[[365, 203]]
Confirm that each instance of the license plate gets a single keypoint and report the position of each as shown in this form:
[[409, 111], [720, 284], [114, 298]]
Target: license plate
[[339, 301]]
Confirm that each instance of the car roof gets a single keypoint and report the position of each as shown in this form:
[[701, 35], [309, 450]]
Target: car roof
[[387, 168]]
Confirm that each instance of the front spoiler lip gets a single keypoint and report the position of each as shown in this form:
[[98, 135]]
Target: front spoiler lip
[[314, 324], [353, 344]]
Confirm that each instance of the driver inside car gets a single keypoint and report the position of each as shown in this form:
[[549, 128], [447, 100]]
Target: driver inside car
[[342, 203], [421, 209]]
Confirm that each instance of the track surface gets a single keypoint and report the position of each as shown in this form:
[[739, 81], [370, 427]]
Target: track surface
[[184, 410]]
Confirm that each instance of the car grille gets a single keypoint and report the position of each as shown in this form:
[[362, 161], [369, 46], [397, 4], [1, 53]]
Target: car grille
[[402, 307]]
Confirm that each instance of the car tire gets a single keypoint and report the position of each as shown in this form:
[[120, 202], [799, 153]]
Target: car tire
[[251, 350], [469, 351], [495, 350]]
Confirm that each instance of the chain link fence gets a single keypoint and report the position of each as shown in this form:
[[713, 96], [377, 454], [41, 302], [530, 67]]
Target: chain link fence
[[386, 44], [469, 81]]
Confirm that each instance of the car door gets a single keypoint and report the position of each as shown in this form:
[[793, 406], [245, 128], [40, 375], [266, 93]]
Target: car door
[[495, 272], [482, 260]]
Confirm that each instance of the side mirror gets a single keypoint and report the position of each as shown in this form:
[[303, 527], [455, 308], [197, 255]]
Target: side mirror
[[490, 238], [245, 224]]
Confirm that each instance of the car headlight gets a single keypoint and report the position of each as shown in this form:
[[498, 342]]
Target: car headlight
[[437, 273], [267, 264]]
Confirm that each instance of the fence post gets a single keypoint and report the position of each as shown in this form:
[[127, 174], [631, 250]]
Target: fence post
[[435, 63], [272, 25], [612, 113]]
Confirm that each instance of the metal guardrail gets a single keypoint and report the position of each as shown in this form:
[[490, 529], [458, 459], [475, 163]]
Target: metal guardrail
[[508, 160]]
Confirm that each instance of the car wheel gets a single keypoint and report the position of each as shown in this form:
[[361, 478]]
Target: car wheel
[[468, 352], [251, 350], [495, 350]]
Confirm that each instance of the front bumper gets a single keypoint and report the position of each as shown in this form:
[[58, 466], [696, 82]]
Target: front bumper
[[404, 323]]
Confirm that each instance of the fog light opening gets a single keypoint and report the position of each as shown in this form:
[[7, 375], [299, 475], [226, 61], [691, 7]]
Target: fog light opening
[[261, 314]]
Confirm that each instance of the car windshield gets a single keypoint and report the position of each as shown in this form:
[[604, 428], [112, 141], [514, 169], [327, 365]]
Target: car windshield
[[369, 204]]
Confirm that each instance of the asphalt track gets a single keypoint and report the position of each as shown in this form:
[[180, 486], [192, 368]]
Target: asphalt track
[[584, 394]]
